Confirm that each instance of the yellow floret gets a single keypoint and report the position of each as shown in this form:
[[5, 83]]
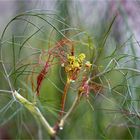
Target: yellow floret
[[76, 64], [80, 58], [71, 59]]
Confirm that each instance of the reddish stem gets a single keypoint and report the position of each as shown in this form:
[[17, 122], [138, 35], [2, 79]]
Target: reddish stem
[[41, 76], [63, 100]]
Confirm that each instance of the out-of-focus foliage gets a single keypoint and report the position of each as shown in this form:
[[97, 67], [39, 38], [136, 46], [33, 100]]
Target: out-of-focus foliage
[[106, 32]]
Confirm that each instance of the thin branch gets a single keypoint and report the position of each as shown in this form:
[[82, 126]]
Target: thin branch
[[109, 70], [73, 106], [5, 91]]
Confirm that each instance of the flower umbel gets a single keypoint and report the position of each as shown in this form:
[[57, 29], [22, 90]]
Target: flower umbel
[[73, 66]]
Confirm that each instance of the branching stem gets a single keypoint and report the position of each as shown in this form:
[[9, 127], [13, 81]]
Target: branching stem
[[35, 112], [73, 106]]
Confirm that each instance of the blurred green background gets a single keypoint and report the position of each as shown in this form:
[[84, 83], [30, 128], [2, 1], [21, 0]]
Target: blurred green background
[[38, 24]]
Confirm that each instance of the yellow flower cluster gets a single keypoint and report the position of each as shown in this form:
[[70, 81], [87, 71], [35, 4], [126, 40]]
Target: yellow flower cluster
[[74, 63]]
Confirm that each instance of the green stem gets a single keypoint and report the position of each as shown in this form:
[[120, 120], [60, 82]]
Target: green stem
[[35, 112]]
